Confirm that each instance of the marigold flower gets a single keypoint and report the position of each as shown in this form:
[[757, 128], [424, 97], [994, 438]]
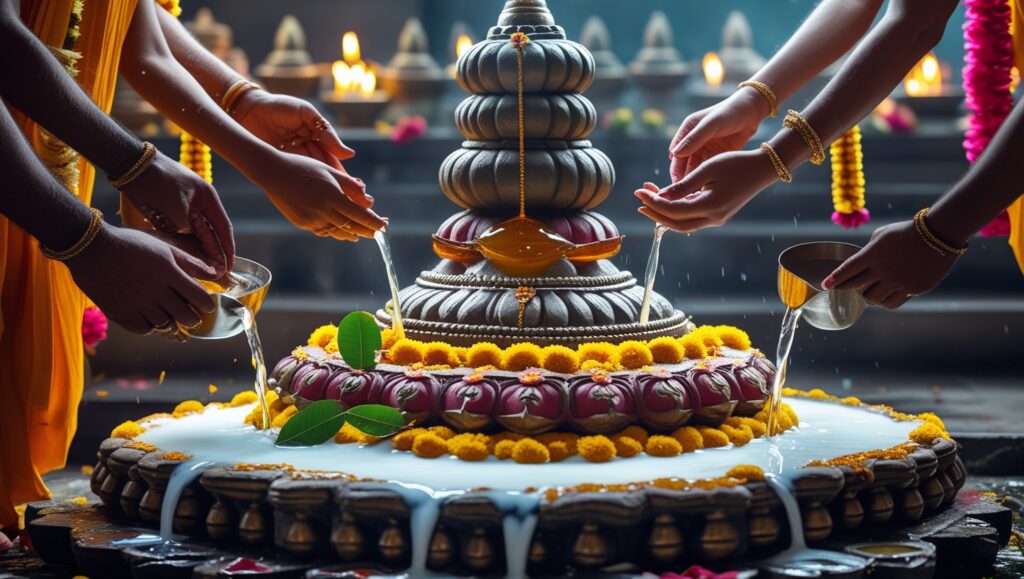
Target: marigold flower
[[756, 427], [483, 354], [331, 347], [406, 352], [627, 446], [462, 354], [733, 337], [709, 336], [602, 352], [591, 365], [188, 407], [596, 448], [660, 445], [286, 414], [529, 451], [388, 337], [503, 449], [560, 359], [443, 432], [927, 433], [439, 354], [747, 472], [243, 398], [933, 418], [634, 355], [469, 446], [636, 433], [713, 438], [693, 347], [689, 438], [521, 356], [666, 350], [323, 336], [403, 440], [128, 429], [429, 445], [558, 451], [738, 436]]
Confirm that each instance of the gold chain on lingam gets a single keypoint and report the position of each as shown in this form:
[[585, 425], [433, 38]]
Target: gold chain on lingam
[[523, 295], [519, 41]]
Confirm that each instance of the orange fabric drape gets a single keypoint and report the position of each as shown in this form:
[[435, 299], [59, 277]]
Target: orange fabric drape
[[1016, 210], [41, 352]]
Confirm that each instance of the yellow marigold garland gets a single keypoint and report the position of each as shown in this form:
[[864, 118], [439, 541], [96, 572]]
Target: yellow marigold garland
[[848, 181]]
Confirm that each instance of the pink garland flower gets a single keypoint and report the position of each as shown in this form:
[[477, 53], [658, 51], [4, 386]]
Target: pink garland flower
[[408, 129], [988, 59], [851, 220], [94, 327], [698, 572]]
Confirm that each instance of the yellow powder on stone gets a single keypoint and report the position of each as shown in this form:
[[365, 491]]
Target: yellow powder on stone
[[188, 407], [128, 429]]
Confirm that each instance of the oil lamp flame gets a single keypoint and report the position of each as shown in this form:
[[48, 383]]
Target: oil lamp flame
[[369, 84], [925, 79], [350, 48], [463, 44], [713, 70], [342, 74]]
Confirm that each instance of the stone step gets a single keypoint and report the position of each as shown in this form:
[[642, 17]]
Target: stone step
[[929, 334]]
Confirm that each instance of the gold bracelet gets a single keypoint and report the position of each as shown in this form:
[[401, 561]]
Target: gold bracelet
[[931, 239], [780, 168], [766, 91], [236, 90], [140, 166], [79, 246], [798, 123]]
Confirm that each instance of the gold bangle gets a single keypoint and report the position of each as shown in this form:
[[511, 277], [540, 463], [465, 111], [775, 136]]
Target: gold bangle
[[796, 122], [140, 166], [79, 246], [766, 91], [236, 90], [931, 239], [780, 168]]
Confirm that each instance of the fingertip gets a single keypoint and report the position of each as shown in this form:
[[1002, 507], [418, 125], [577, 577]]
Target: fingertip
[[829, 282]]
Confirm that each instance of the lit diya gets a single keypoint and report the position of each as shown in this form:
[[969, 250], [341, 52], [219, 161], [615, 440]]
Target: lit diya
[[523, 246]]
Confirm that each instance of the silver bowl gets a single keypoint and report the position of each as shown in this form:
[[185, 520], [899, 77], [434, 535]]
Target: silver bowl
[[234, 303], [802, 268]]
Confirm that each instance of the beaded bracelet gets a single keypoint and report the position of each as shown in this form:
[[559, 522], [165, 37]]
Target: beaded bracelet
[[780, 168], [236, 90], [140, 166], [931, 239], [765, 91], [79, 246], [796, 122]]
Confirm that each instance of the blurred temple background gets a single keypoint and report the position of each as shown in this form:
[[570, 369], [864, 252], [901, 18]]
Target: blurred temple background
[[958, 351]]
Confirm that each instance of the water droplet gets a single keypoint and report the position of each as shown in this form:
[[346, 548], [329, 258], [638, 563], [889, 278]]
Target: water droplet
[[657, 171], [758, 245], [743, 276], [723, 272], [795, 222]]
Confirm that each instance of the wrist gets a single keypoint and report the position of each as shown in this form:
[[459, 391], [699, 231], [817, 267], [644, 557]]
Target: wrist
[[750, 99], [126, 158], [947, 227], [244, 103]]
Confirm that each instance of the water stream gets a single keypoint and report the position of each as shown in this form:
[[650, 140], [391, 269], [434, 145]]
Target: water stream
[[253, 336], [651, 273], [790, 322], [389, 265]]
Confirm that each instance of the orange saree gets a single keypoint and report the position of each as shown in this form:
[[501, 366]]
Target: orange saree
[[1016, 210], [41, 352]]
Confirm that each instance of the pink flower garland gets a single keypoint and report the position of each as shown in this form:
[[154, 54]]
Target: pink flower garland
[[94, 327], [988, 58]]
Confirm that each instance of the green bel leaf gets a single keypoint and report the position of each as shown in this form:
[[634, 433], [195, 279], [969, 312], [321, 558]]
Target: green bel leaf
[[358, 340], [313, 425], [376, 419]]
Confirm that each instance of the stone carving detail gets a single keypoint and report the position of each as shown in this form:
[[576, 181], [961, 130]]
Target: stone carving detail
[[565, 176]]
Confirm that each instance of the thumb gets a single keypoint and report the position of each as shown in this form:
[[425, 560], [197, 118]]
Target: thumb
[[691, 183], [192, 266], [695, 139]]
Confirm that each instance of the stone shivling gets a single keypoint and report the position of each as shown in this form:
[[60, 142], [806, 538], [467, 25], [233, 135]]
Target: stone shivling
[[576, 437]]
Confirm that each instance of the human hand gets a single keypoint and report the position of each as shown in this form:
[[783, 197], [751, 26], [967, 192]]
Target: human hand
[[710, 195], [720, 128], [176, 200], [290, 124], [142, 283], [893, 267], [319, 198]]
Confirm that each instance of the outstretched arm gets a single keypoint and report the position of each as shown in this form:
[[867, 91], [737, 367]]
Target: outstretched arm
[[827, 34], [310, 194], [275, 119], [138, 281], [728, 182], [898, 264]]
